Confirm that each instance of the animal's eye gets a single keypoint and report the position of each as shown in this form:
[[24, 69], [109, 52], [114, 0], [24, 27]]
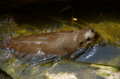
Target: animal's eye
[[92, 30], [88, 39], [81, 43]]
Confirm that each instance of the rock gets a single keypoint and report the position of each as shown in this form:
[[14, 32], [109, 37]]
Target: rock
[[67, 69]]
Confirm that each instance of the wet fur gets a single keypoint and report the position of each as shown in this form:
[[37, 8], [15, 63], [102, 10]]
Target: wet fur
[[55, 43]]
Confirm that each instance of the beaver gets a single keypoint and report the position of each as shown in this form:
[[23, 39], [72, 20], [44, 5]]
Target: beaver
[[54, 43]]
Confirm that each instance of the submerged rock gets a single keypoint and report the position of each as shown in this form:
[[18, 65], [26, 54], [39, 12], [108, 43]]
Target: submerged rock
[[68, 69]]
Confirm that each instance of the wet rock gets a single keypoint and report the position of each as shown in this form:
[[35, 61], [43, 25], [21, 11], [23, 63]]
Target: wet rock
[[68, 69]]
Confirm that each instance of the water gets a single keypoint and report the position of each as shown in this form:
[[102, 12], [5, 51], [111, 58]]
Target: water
[[105, 51]]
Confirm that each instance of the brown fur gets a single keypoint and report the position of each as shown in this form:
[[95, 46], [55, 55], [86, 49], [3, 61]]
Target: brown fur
[[58, 43]]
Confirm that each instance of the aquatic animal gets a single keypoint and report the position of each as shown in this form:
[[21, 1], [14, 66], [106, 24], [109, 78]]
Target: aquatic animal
[[51, 44]]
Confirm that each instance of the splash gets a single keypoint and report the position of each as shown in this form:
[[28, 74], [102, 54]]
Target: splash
[[8, 28], [91, 52]]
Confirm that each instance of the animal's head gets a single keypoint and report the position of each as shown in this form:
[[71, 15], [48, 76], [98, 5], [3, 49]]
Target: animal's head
[[86, 37]]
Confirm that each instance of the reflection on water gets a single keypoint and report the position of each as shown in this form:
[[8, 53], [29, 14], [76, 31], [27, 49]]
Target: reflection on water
[[107, 55], [106, 51]]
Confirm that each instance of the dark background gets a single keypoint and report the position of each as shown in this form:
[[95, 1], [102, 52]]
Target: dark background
[[87, 10]]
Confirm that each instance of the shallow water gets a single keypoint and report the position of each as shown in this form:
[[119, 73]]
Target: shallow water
[[106, 51]]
